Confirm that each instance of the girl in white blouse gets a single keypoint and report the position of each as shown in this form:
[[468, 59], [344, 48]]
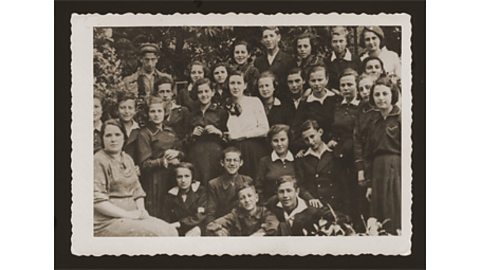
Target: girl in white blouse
[[247, 124]]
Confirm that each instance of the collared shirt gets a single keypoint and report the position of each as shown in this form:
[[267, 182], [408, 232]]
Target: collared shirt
[[275, 157], [323, 148], [132, 127], [271, 58], [347, 56], [312, 98], [301, 206], [354, 101]]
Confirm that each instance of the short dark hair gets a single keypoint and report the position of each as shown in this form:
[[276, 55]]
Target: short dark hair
[[311, 37], [309, 124], [316, 68], [240, 42], [231, 149], [199, 82], [124, 96], [386, 81], [186, 165], [348, 72], [286, 179], [236, 73], [370, 58], [117, 123], [295, 70], [272, 28]]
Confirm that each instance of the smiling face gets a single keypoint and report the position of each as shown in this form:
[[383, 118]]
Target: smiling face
[[232, 162], [287, 195], [304, 47], [348, 87], [318, 81], [184, 178], [204, 93], [126, 110], [156, 113], [364, 88], [279, 143], [374, 68], [382, 97], [372, 41], [220, 74], [241, 54], [270, 39], [339, 43], [113, 139], [97, 110], [295, 83], [265, 87], [149, 61], [196, 72], [165, 92], [313, 138], [236, 84], [248, 198]]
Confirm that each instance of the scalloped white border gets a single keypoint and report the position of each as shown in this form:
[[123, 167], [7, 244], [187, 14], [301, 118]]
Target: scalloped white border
[[83, 242]]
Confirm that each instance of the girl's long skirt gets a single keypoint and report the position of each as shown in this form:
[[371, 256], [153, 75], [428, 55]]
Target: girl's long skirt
[[156, 182], [253, 150], [386, 191], [108, 226], [205, 156]]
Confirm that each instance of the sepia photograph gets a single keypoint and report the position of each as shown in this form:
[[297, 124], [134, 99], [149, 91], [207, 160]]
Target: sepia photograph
[[238, 134]]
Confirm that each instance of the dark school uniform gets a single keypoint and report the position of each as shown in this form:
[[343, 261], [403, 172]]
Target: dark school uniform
[[186, 97], [241, 223], [270, 169], [345, 117], [335, 66], [220, 94], [317, 178], [360, 136], [156, 177], [130, 147], [277, 113], [280, 66], [187, 208], [97, 139], [299, 219], [222, 195], [205, 151], [179, 120], [306, 64], [320, 110], [384, 151]]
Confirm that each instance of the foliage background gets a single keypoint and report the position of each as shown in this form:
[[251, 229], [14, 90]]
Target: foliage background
[[116, 49]]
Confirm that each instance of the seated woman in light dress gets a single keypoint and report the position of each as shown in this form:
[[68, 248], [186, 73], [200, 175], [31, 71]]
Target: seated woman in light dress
[[119, 208]]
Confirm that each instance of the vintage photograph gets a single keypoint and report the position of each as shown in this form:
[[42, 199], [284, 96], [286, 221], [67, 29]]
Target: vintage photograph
[[241, 134]]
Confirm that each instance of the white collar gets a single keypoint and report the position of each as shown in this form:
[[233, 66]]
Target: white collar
[[347, 56], [276, 102], [312, 98], [271, 58], [323, 148], [275, 156], [355, 102], [301, 206], [174, 191]]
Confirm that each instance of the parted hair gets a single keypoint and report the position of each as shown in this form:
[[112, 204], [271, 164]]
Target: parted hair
[[275, 129], [286, 179], [317, 68], [117, 123], [386, 81], [199, 82], [269, 74], [231, 149], [311, 37], [309, 124], [370, 58]]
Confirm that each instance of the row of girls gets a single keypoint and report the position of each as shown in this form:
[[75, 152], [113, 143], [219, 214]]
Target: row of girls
[[359, 125]]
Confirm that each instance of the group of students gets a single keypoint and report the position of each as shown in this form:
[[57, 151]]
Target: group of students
[[265, 147]]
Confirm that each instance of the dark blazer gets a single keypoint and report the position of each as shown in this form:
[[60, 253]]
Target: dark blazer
[[190, 213], [317, 180]]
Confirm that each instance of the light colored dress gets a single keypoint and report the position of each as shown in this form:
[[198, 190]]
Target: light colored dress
[[117, 182]]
